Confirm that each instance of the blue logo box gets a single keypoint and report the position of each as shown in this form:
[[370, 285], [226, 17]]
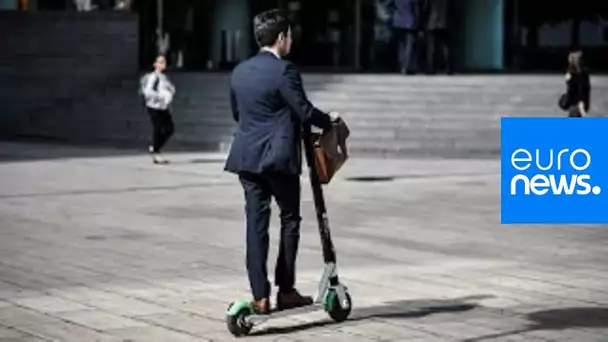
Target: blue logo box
[[554, 171]]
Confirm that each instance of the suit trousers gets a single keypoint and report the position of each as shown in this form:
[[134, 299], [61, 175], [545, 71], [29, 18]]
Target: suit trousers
[[259, 188], [406, 44]]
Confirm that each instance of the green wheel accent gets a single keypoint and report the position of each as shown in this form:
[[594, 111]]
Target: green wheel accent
[[236, 318], [329, 300], [333, 307], [237, 306]]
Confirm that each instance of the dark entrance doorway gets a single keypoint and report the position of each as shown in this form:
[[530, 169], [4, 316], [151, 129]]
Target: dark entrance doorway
[[325, 34], [341, 36]]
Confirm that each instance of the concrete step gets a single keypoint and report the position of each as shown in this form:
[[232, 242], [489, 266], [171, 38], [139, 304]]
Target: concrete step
[[424, 133], [406, 125], [408, 145], [420, 148]]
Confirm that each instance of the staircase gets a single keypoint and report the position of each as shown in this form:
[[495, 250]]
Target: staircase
[[389, 115], [446, 116]]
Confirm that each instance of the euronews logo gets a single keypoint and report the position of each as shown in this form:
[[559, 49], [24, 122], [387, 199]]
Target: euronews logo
[[561, 173]]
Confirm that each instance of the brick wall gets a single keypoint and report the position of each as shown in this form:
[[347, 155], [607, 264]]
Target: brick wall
[[53, 60]]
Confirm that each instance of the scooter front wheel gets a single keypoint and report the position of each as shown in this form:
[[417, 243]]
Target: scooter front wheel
[[334, 307]]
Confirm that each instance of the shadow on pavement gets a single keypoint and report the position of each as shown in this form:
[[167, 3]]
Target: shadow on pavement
[[31, 149], [558, 319], [371, 179], [390, 178], [112, 191], [397, 309]]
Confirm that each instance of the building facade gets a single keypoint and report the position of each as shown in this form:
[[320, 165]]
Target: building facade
[[336, 35], [349, 36]]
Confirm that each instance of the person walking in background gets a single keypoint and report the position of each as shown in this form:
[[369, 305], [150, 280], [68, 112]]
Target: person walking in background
[[578, 94], [438, 16], [382, 35], [270, 106], [405, 20], [158, 93]]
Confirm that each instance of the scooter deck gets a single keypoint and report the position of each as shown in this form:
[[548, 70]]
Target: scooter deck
[[257, 318]]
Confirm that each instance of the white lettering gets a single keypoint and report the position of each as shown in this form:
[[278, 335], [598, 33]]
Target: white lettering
[[539, 185], [559, 158], [540, 167], [583, 182], [522, 178], [558, 185], [527, 159], [587, 158], [522, 159], [562, 183]]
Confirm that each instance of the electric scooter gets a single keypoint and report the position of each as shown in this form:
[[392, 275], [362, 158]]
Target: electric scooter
[[331, 295]]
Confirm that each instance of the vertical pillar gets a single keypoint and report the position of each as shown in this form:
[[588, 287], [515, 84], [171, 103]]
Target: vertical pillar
[[483, 34], [233, 21], [357, 27], [160, 36]]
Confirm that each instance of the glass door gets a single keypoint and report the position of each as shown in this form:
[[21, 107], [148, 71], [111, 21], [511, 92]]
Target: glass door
[[377, 48], [324, 33]]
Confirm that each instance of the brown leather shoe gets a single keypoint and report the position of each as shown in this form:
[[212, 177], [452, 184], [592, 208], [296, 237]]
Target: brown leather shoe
[[262, 306], [293, 299]]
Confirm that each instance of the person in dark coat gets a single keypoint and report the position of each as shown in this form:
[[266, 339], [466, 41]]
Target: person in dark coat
[[438, 16], [405, 20], [578, 86], [270, 106]]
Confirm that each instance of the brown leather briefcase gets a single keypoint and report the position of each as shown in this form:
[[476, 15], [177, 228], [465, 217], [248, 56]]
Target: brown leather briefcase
[[330, 151]]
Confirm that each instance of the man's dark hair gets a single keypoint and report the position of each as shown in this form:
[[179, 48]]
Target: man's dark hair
[[268, 25]]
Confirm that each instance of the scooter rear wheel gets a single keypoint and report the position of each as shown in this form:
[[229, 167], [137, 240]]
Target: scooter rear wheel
[[237, 324], [334, 309]]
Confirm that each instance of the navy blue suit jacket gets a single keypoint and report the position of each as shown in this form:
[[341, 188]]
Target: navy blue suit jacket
[[270, 106], [405, 13]]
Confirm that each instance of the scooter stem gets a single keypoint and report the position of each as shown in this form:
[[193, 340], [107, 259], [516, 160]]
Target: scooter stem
[[329, 254]]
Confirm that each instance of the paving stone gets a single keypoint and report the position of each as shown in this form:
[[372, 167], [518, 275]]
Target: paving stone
[[68, 332], [379, 330], [153, 334], [100, 320], [6, 333], [13, 316], [327, 337], [113, 302], [193, 324], [50, 304], [567, 334]]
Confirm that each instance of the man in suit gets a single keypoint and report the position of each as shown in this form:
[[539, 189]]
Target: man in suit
[[270, 106], [438, 15], [405, 22]]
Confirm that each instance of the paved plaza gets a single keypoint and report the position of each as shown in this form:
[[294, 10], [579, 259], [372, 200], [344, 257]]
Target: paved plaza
[[102, 245]]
